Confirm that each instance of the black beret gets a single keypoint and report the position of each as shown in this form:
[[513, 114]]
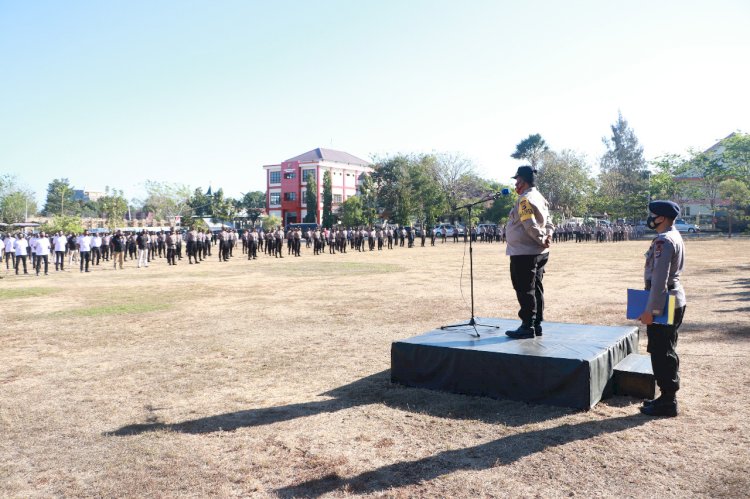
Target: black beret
[[667, 209], [526, 173]]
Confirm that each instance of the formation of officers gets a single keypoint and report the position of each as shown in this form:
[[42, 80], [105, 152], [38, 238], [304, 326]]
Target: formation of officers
[[38, 252]]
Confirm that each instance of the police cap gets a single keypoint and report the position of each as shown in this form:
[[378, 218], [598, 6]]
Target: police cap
[[526, 173], [667, 209]]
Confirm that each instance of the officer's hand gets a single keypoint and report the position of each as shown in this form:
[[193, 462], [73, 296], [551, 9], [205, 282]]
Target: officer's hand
[[646, 318], [547, 242]]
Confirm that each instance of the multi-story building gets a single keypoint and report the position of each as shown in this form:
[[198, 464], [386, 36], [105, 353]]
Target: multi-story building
[[286, 183]]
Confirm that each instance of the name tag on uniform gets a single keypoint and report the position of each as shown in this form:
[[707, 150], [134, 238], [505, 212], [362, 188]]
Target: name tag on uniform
[[525, 211]]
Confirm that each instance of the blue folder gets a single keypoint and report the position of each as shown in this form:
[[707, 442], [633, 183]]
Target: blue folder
[[637, 301]]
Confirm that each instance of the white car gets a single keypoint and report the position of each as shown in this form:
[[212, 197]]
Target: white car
[[683, 226]]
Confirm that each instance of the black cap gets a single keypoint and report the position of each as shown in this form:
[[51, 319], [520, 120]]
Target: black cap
[[526, 173], [667, 209]]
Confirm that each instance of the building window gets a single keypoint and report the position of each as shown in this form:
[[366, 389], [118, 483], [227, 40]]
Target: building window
[[290, 174], [337, 198], [290, 196], [275, 177], [306, 173], [275, 198], [303, 197]]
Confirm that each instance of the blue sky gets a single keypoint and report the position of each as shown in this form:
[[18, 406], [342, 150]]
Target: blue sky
[[112, 93]]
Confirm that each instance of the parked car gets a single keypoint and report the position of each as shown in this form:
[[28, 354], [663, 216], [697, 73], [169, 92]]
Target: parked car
[[683, 226], [447, 229]]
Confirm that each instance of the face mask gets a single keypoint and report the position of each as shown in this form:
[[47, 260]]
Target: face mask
[[651, 222]]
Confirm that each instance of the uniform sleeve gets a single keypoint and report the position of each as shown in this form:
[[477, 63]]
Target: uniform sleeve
[[662, 258], [528, 214]]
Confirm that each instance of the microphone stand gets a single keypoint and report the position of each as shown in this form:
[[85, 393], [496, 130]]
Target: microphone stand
[[472, 322]]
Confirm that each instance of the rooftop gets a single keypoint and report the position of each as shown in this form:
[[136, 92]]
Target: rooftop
[[321, 154]]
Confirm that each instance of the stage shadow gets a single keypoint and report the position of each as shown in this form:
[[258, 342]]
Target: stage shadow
[[503, 451], [374, 389]]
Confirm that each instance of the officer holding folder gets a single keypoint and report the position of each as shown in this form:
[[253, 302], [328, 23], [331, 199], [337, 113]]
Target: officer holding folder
[[665, 261]]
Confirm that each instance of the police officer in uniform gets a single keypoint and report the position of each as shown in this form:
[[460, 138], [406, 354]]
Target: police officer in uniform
[[529, 236], [665, 261]]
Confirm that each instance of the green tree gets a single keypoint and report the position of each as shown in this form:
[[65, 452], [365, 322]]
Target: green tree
[[311, 200], [253, 203], [16, 206], [271, 222], [737, 194], [565, 180], [624, 172], [200, 203], [113, 206], [66, 223], [224, 209], [736, 156], [351, 212], [328, 218], [369, 193], [531, 149], [60, 198], [428, 197], [711, 171]]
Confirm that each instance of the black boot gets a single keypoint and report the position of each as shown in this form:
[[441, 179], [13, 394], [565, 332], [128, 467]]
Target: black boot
[[537, 329], [665, 405], [523, 331]]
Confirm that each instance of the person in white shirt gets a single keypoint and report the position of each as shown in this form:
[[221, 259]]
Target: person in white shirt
[[59, 242], [96, 249], [21, 247], [84, 249], [10, 251], [42, 247], [32, 249]]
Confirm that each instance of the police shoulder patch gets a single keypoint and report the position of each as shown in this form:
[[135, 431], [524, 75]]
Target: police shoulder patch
[[525, 210], [658, 245]]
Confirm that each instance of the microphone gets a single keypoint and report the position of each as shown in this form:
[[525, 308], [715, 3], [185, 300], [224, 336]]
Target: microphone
[[499, 194]]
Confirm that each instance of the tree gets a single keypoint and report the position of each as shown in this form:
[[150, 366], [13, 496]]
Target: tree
[[16, 206], [531, 149], [271, 222], [66, 223], [736, 156], [253, 203], [368, 192], [60, 197], [113, 206], [738, 195], [624, 173], [224, 209], [453, 173], [566, 182], [311, 200], [328, 218], [200, 203], [711, 171], [429, 200], [167, 200], [351, 212]]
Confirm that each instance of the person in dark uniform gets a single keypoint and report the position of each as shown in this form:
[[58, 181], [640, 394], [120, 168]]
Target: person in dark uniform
[[665, 261], [529, 236]]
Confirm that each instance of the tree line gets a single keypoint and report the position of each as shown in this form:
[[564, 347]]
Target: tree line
[[426, 188]]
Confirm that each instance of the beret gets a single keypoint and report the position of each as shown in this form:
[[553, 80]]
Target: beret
[[667, 209]]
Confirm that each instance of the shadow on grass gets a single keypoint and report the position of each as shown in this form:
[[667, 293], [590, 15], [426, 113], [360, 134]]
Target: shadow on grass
[[734, 332], [374, 389], [503, 451]]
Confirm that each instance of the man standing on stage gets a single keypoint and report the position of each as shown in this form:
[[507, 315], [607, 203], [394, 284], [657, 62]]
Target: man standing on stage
[[529, 234], [665, 261]]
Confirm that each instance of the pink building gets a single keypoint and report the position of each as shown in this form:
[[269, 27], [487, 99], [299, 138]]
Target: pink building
[[286, 183]]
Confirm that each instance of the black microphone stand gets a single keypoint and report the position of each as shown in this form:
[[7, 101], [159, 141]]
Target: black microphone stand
[[472, 322]]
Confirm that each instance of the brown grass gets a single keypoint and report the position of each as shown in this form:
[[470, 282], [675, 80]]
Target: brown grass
[[271, 378]]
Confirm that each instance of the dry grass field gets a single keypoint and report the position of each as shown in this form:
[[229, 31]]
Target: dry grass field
[[271, 378]]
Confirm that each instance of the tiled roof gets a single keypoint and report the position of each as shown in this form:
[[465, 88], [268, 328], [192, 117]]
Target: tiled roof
[[321, 154]]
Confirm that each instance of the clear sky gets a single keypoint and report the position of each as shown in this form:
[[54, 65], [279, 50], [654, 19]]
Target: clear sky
[[111, 93]]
